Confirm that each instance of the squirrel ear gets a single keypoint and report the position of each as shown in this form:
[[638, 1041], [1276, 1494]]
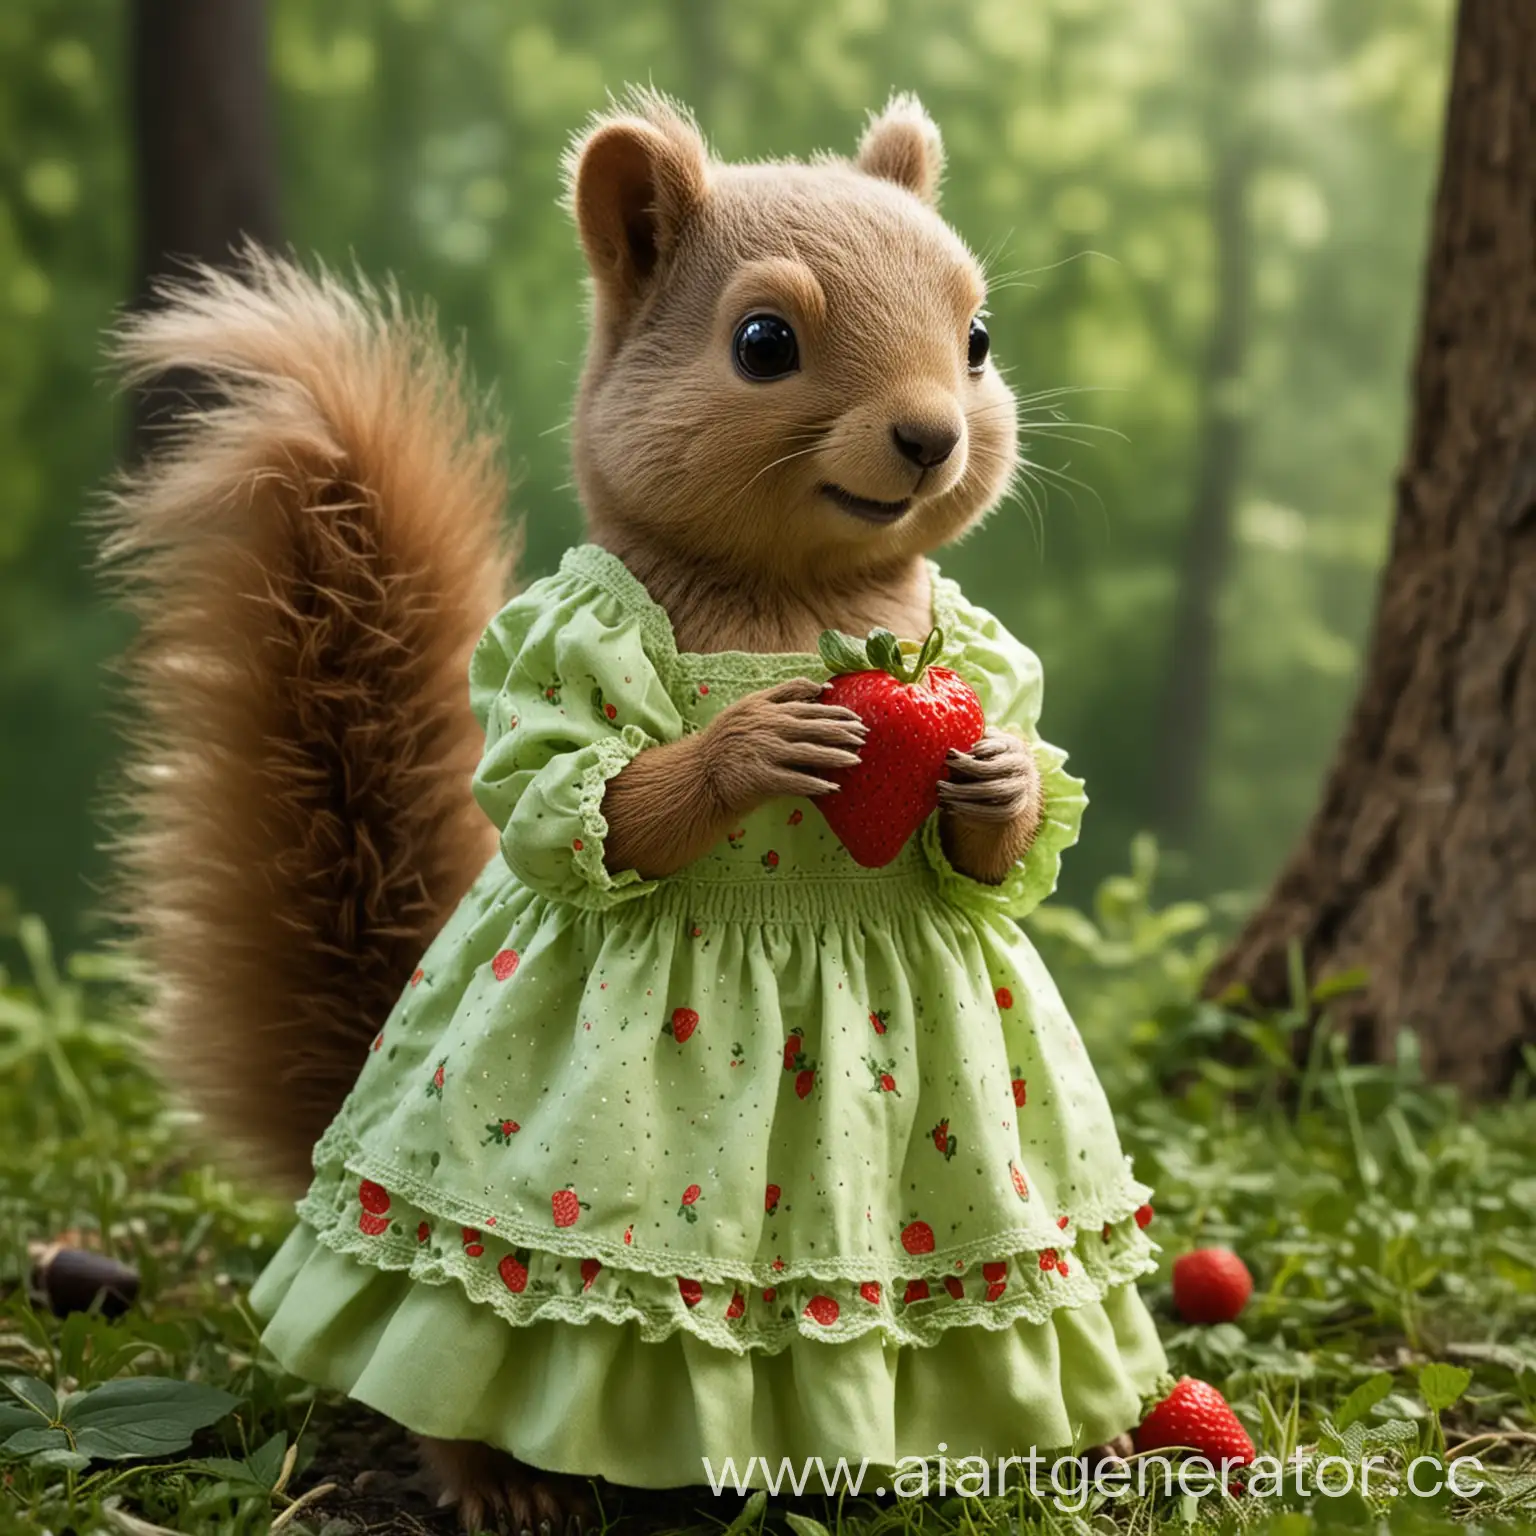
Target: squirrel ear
[[634, 178], [903, 145]]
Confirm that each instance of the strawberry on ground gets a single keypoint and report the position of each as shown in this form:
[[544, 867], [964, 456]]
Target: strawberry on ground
[[916, 714], [1210, 1285], [1196, 1415]]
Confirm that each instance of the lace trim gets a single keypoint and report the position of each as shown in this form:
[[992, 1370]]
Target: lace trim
[[611, 755], [525, 1285], [1034, 877], [593, 563], [341, 1162]]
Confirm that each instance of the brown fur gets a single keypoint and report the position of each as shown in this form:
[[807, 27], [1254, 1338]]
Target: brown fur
[[311, 562], [710, 486]]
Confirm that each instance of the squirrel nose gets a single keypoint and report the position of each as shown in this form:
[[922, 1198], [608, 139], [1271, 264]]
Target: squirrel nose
[[925, 444]]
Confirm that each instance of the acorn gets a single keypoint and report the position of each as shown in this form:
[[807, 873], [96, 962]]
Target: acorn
[[66, 1280]]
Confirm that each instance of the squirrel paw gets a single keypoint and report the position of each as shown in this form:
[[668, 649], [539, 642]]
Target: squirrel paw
[[780, 741], [996, 781], [492, 1490]]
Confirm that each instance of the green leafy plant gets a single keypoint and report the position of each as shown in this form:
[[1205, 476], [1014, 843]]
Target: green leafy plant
[[135, 1417]]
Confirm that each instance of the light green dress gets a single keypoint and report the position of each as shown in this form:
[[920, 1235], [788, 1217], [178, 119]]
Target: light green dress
[[778, 1156]]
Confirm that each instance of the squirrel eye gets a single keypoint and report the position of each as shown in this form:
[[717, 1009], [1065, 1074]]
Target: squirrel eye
[[765, 347], [980, 345]]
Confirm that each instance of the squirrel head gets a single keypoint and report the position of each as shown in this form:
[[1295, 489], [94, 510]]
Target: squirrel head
[[788, 375]]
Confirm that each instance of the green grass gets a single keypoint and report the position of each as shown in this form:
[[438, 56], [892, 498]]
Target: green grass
[[1389, 1229]]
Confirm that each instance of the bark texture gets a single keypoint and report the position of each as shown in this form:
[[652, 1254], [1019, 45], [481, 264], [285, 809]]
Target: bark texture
[[1420, 862], [204, 152]]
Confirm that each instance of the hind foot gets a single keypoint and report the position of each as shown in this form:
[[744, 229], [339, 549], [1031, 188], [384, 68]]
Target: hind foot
[[492, 1490]]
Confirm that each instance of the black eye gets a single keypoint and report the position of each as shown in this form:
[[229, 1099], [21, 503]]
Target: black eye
[[980, 344], [766, 347]]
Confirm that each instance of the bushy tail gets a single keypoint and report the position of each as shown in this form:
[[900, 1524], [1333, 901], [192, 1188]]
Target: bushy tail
[[311, 561]]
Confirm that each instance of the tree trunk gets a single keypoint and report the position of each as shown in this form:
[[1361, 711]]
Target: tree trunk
[[1420, 863], [1185, 720], [204, 151]]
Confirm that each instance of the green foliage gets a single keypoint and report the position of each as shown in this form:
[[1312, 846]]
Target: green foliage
[[123, 1420], [424, 137]]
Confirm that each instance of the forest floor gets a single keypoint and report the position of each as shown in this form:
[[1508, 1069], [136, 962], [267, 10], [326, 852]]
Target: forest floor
[[1391, 1232]]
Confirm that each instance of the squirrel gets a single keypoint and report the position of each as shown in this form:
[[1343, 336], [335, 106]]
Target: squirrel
[[787, 402]]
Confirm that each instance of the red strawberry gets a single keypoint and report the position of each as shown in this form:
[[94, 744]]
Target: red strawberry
[[423, 1232], [946, 1143], [1062, 1268], [378, 1041], [917, 1290], [791, 1052], [870, 1291], [590, 1270], [472, 1244], [1107, 1232], [514, 1271], [915, 714], [372, 1226], [1020, 1187], [629, 1235], [771, 1198], [955, 1286], [416, 976], [374, 1198], [1210, 1285], [1196, 1414], [880, 1020], [737, 1307], [823, 1310], [796, 817], [681, 1025], [995, 1289], [887, 1083], [1061, 1221], [770, 1294], [691, 1194], [917, 1237], [504, 963], [1048, 1258], [1004, 998], [691, 1292], [1020, 1088], [567, 1207], [805, 1081], [995, 1271], [1143, 1216], [770, 860]]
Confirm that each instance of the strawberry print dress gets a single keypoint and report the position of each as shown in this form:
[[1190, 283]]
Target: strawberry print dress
[[778, 1156]]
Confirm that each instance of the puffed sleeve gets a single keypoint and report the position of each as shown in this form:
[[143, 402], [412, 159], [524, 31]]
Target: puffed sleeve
[[1006, 676], [568, 696]]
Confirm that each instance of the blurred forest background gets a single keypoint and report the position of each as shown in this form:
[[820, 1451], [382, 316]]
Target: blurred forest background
[[1205, 218]]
